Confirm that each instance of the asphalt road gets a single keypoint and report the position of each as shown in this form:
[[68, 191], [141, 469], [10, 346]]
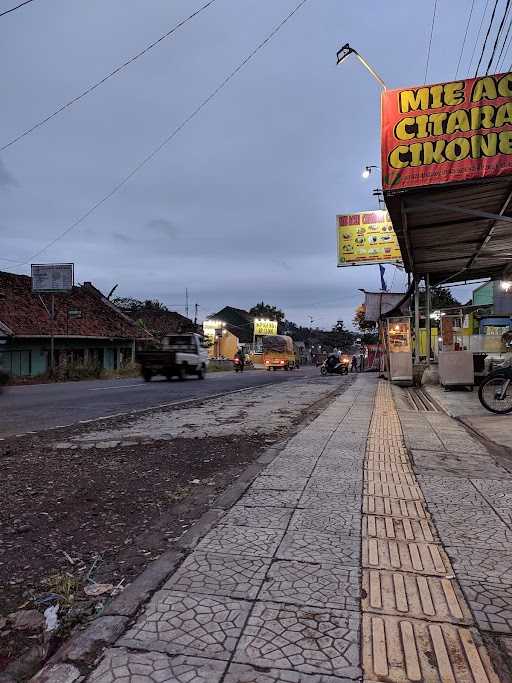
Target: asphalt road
[[33, 408]]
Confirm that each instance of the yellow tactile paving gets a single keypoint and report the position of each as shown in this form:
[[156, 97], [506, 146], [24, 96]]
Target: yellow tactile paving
[[379, 505], [390, 477], [403, 650], [423, 558], [402, 491], [398, 528], [391, 466], [414, 596]]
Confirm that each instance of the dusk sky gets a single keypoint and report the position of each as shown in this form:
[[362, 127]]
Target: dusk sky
[[240, 206]]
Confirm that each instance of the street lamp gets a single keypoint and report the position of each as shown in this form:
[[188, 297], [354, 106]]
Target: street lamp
[[368, 170], [346, 50]]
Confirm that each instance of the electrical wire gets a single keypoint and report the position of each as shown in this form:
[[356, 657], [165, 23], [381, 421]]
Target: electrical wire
[[465, 37], [478, 35], [484, 45], [430, 40], [13, 9], [172, 135], [112, 73], [498, 35], [504, 48]]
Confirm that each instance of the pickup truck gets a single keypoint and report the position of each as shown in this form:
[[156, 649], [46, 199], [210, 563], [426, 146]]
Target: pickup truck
[[179, 355]]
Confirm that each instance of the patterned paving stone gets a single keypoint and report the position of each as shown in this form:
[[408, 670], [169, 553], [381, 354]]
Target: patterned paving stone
[[498, 493], [424, 558], [265, 517], [414, 596], [440, 490], [442, 463], [316, 546], [284, 483], [340, 469], [241, 540], [401, 491], [491, 604], [181, 623], [309, 639], [399, 528], [475, 564], [328, 501], [399, 649], [480, 529], [214, 574], [344, 486], [270, 498], [312, 584], [288, 467], [385, 466], [337, 521], [384, 477], [505, 513], [379, 505], [120, 666], [242, 673]]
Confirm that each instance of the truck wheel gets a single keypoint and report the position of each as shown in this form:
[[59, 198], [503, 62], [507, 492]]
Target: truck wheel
[[182, 373], [147, 375], [201, 373]]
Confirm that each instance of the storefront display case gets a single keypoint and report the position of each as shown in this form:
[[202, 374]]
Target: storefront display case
[[400, 350]]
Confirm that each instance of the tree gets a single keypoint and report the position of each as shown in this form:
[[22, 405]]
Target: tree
[[360, 321], [263, 310], [131, 305], [440, 297]]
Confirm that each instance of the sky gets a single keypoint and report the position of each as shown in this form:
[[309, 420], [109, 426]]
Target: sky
[[241, 205]]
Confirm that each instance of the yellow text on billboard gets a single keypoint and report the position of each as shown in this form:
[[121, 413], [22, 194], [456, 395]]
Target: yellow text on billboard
[[366, 238], [265, 327]]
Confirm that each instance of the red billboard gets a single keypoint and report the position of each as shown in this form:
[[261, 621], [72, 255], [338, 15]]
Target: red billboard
[[447, 132]]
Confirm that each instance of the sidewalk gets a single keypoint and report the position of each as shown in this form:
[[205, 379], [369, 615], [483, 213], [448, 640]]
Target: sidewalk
[[335, 564], [465, 406]]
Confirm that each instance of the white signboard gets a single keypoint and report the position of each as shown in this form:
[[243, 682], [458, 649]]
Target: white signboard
[[52, 277]]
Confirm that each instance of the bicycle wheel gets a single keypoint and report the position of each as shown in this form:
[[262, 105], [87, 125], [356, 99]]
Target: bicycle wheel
[[490, 395]]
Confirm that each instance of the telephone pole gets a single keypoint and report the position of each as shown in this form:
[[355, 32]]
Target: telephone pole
[[195, 313], [186, 302]]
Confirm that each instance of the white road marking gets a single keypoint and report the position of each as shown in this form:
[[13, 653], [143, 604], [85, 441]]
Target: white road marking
[[125, 386]]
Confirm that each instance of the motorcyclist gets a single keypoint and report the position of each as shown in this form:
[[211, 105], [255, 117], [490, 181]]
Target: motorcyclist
[[353, 367], [240, 355]]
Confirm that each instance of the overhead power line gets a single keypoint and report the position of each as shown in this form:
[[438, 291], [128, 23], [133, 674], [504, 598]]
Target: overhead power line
[[498, 35], [430, 40], [504, 48], [484, 45], [13, 9], [465, 37], [93, 87], [170, 137], [478, 35]]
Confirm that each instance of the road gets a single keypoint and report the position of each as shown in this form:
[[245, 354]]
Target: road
[[33, 408]]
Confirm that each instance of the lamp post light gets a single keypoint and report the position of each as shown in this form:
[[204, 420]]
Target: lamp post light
[[368, 171], [346, 50]]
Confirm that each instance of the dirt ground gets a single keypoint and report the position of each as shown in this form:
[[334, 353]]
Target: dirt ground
[[71, 517]]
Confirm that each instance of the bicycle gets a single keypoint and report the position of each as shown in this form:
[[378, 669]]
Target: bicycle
[[495, 391]]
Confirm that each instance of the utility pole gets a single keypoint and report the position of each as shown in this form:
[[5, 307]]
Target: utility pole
[[195, 313], [52, 339], [186, 302]]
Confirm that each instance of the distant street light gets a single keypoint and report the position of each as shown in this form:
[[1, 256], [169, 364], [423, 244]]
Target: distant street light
[[346, 50], [368, 171]]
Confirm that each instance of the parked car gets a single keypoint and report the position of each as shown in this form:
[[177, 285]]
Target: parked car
[[179, 355]]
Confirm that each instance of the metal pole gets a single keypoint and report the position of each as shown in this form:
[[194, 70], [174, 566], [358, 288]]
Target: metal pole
[[416, 319], [52, 340], [427, 317]]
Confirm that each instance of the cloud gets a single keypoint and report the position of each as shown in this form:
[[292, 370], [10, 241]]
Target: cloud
[[6, 179], [163, 226]]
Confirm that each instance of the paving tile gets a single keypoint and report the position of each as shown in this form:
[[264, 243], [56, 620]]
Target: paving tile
[[237, 576], [322, 585], [344, 486], [326, 500], [120, 666], [401, 491], [423, 558], [265, 517], [241, 540], [384, 477], [414, 596], [505, 514], [243, 673], [498, 493], [480, 529], [401, 650], [485, 564], [399, 528], [288, 467], [192, 624], [443, 463], [345, 521], [270, 498], [491, 604], [385, 466], [455, 490], [315, 546], [308, 639], [348, 470], [380, 505], [284, 483]]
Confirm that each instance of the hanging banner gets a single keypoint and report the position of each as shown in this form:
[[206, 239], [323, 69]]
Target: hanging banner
[[448, 132], [265, 327], [366, 238]]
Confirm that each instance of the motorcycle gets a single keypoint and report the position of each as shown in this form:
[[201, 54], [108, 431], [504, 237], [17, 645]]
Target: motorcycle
[[495, 391], [238, 365], [341, 367]]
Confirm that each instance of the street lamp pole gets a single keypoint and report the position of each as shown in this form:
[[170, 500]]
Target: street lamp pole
[[346, 50]]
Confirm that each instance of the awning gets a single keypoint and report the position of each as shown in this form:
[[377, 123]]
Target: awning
[[456, 232]]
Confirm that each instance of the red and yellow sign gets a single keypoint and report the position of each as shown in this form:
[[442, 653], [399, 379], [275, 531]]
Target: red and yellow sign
[[447, 132], [366, 237]]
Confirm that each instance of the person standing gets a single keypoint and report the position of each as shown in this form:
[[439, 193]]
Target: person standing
[[353, 367]]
